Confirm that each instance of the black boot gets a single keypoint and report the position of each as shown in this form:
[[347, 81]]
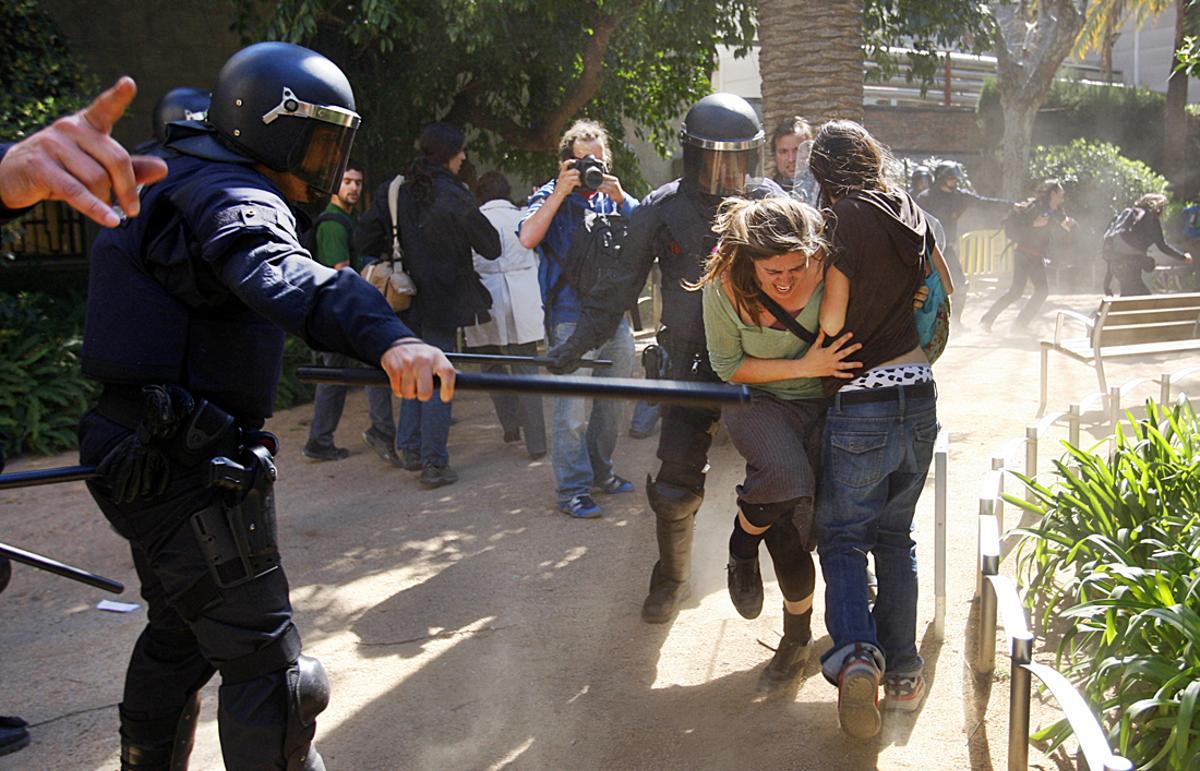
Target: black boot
[[791, 655], [674, 509], [170, 756], [744, 580]]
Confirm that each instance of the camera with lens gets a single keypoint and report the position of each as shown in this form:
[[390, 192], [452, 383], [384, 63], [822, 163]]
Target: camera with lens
[[591, 171]]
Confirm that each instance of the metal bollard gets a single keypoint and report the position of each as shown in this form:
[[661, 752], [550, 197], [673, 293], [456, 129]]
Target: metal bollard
[[1164, 389], [1018, 703], [1031, 455], [998, 465], [1074, 419], [939, 543], [989, 565], [1114, 407]]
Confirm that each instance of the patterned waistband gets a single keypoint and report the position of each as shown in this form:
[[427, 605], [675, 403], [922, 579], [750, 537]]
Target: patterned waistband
[[894, 375]]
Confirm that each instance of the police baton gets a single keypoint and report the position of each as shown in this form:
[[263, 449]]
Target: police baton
[[541, 361], [60, 569], [660, 391]]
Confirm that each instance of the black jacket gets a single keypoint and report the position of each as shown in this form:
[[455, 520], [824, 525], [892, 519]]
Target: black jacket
[[438, 239], [1146, 232]]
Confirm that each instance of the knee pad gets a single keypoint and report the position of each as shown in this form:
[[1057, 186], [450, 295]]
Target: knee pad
[[308, 696], [767, 514], [794, 566], [672, 502]]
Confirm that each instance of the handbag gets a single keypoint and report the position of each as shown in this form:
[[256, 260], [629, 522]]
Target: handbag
[[933, 317], [388, 275]]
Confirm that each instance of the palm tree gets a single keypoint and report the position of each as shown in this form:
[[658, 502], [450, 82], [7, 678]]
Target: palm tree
[[811, 59]]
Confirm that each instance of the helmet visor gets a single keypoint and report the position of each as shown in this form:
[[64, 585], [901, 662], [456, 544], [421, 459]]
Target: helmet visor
[[324, 158], [720, 172]]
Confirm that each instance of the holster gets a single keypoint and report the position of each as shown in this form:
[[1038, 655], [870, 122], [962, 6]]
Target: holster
[[237, 533]]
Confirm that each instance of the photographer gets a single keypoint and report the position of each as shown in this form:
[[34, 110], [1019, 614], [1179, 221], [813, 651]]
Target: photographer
[[582, 461]]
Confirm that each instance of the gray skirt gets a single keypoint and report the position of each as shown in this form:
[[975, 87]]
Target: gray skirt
[[781, 442]]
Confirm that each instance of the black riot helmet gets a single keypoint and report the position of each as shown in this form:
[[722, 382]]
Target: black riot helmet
[[722, 139], [284, 106], [179, 104], [947, 169], [920, 179]]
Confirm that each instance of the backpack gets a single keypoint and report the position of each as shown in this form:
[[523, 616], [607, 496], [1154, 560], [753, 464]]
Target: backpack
[[592, 256], [1114, 235], [1013, 223], [308, 239]]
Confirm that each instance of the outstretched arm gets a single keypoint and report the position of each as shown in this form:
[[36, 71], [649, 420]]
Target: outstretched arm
[[75, 160]]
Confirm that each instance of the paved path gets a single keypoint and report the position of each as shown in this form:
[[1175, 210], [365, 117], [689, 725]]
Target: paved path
[[475, 627]]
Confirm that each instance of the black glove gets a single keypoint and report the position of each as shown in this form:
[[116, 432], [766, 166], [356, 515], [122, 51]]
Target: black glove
[[138, 466], [564, 358]]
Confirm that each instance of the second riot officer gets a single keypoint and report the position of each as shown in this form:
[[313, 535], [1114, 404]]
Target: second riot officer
[[188, 305], [721, 139]]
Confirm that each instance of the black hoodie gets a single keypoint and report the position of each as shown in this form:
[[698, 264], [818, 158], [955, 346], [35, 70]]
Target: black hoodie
[[878, 239]]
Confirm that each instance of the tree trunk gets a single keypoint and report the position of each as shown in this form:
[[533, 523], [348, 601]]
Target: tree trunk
[[1028, 55], [1175, 122], [811, 59]]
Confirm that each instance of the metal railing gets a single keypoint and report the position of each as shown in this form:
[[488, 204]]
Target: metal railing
[[999, 596]]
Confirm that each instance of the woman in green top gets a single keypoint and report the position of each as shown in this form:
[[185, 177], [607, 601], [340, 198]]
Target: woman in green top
[[763, 280]]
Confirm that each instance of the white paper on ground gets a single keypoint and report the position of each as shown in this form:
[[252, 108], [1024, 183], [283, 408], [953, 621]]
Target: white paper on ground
[[117, 607]]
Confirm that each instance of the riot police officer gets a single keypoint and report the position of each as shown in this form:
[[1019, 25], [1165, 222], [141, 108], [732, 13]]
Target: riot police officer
[[721, 138], [187, 309], [178, 104]]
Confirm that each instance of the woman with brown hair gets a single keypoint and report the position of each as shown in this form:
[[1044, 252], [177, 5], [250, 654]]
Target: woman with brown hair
[[879, 431], [762, 290]]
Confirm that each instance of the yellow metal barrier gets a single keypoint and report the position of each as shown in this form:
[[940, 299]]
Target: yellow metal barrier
[[985, 253]]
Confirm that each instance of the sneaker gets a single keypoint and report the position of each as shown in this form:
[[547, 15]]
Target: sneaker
[[858, 695], [438, 476], [382, 447], [319, 454], [614, 485], [580, 507], [636, 434], [413, 462], [903, 694], [744, 581], [790, 657]]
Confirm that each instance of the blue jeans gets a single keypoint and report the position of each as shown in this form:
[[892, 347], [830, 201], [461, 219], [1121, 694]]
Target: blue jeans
[[645, 417], [424, 427], [582, 447], [329, 400], [875, 457]]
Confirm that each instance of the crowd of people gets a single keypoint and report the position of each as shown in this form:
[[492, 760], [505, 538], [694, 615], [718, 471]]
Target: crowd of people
[[809, 287]]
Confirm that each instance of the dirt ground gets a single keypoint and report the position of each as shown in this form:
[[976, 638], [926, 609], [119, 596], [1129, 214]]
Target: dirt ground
[[476, 627]]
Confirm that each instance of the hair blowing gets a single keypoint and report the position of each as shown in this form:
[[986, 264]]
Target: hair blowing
[[846, 159], [758, 230]]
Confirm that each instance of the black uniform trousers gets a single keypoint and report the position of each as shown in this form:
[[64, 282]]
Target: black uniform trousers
[[687, 431], [1027, 267], [175, 656]]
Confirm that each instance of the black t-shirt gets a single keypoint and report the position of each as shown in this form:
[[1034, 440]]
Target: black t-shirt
[[878, 240]]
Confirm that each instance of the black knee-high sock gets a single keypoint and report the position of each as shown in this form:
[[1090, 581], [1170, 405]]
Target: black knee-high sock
[[743, 545], [796, 573]]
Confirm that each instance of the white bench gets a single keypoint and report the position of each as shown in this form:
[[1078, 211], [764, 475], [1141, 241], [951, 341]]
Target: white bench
[[1125, 326]]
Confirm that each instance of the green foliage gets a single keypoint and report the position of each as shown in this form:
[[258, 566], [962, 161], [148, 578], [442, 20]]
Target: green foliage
[[40, 80], [291, 391], [42, 393], [923, 28], [514, 72], [1117, 558], [1096, 175]]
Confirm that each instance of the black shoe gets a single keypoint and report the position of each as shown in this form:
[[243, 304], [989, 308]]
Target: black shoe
[[512, 436], [438, 476], [318, 454], [413, 463], [790, 657], [664, 598], [382, 447], [14, 734], [636, 434], [745, 585]]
